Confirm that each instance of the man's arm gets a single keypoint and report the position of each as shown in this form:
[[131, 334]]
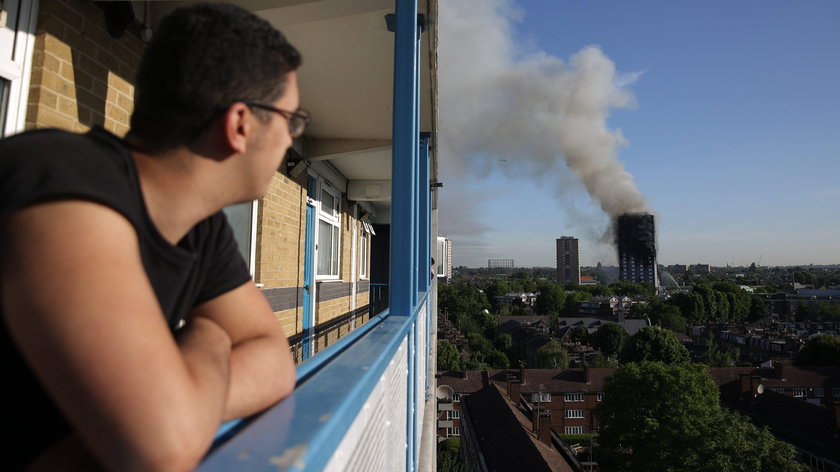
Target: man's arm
[[261, 367], [79, 305]]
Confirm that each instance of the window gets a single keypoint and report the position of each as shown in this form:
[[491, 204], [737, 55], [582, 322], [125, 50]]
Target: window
[[819, 392], [16, 46], [329, 231], [456, 397], [799, 393], [456, 431], [573, 430], [363, 254], [574, 413], [835, 392], [242, 218], [778, 390], [573, 397], [453, 414], [541, 397], [599, 396]]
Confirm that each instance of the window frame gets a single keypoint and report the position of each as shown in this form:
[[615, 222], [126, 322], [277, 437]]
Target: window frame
[[573, 397], [573, 429], [541, 397], [333, 219], [800, 393], [574, 414], [17, 46], [364, 245]]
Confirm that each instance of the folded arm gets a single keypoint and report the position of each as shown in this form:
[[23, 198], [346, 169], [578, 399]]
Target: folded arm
[[80, 308]]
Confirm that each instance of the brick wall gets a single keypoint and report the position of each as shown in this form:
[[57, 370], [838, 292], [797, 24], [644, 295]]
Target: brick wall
[[281, 231], [81, 76]]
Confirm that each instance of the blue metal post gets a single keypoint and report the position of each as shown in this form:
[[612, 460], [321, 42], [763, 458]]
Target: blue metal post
[[403, 178], [424, 215]]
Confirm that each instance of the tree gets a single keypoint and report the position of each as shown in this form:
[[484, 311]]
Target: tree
[[668, 417], [551, 299], [820, 350], [758, 309], [448, 357], [665, 315], [552, 356], [609, 339], [580, 334], [448, 458], [652, 343]]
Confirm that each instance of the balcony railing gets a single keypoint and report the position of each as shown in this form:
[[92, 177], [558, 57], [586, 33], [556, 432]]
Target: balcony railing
[[360, 404]]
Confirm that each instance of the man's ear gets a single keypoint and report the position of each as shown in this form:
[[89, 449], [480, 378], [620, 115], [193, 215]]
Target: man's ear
[[237, 127]]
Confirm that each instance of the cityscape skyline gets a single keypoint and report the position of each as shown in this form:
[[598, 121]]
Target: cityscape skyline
[[722, 117]]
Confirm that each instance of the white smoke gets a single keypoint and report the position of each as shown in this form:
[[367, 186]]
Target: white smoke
[[534, 111]]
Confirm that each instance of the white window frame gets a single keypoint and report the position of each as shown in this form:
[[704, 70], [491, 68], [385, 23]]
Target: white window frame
[[573, 397], [573, 430], [364, 245], [599, 396], [453, 414], [456, 397], [800, 393], [16, 48], [541, 397], [574, 414], [835, 392], [332, 219], [819, 392], [456, 431], [235, 214]]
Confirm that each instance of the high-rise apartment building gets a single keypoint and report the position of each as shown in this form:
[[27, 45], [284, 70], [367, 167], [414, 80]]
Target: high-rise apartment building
[[636, 237], [568, 260]]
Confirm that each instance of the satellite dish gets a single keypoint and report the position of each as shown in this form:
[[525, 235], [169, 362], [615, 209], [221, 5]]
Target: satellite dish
[[760, 389]]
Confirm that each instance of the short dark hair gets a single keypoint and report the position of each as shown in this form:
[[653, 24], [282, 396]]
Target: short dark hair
[[203, 58]]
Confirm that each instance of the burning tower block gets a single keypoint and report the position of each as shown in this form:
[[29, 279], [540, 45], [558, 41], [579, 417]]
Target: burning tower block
[[636, 237]]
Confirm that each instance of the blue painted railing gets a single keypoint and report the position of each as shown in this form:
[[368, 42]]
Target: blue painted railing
[[352, 407]]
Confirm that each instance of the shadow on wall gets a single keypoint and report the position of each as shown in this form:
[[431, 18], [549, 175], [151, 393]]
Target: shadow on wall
[[82, 74]]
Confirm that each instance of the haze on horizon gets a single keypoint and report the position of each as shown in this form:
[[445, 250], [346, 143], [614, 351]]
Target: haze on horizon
[[719, 118]]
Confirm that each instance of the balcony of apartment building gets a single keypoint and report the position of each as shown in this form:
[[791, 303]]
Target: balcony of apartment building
[[362, 400], [368, 80]]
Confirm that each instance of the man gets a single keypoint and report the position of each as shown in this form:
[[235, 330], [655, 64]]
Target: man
[[109, 246]]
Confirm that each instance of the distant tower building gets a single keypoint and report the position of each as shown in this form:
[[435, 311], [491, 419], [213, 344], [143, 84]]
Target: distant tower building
[[443, 258], [568, 260], [502, 266], [636, 237]]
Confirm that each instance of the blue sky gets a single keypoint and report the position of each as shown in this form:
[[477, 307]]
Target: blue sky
[[732, 132]]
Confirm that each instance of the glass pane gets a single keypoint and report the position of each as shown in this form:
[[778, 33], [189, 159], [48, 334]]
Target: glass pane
[[334, 265], [328, 203], [239, 217], [4, 104], [325, 243]]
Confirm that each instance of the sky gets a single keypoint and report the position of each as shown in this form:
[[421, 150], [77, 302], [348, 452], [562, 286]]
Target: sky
[[721, 118]]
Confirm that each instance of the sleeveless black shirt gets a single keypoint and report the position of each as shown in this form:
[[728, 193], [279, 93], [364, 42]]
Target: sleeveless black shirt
[[47, 165]]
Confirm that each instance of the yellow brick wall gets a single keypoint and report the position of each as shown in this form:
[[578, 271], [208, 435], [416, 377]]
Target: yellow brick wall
[[281, 231], [81, 76]]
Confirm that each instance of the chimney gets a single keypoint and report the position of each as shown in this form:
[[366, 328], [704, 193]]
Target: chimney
[[779, 367], [745, 384], [514, 386], [544, 434]]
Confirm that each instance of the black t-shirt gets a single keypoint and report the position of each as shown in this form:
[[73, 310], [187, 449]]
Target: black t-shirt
[[45, 165]]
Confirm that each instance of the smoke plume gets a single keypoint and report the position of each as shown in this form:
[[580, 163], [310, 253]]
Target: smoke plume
[[538, 113]]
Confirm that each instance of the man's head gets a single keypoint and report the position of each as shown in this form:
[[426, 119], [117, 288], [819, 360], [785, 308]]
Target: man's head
[[203, 58]]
